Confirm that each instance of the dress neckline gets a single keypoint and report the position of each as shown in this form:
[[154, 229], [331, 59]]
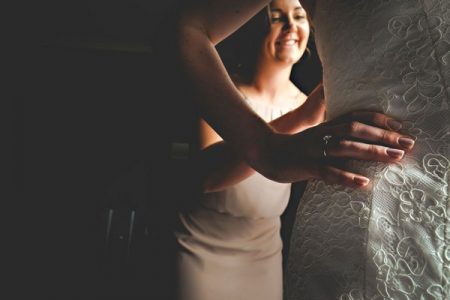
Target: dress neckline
[[288, 106]]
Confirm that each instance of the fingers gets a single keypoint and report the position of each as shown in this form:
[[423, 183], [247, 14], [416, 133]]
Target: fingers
[[362, 151], [334, 175], [380, 129], [370, 118], [356, 130]]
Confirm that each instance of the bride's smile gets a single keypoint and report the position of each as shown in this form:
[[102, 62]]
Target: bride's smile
[[288, 33]]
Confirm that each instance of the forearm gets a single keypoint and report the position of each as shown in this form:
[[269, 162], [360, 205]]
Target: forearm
[[295, 121], [217, 98], [311, 113], [222, 168]]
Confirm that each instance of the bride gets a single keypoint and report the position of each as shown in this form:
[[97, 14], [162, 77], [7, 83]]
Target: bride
[[391, 240]]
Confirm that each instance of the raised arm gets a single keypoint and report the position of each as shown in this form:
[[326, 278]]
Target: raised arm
[[200, 29], [280, 157]]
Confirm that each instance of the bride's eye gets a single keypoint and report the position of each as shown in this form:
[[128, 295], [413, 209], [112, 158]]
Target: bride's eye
[[275, 19], [299, 17]]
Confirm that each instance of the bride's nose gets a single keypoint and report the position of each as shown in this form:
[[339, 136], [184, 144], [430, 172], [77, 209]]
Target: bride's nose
[[289, 24]]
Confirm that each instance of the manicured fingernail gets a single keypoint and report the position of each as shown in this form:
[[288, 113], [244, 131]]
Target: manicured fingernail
[[394, 124], [406, 142], [362, 181], [395, 153]]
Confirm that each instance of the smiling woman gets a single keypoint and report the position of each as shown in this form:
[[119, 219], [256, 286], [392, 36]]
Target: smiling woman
[[266, 34], [290, 42], [230, 245]]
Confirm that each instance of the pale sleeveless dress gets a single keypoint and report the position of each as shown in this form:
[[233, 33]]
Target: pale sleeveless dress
[[231, 245], [392, 241]]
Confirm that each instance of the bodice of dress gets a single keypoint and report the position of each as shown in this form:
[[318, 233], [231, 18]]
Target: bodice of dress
[[255, 197], [391, 241], [242, 220]]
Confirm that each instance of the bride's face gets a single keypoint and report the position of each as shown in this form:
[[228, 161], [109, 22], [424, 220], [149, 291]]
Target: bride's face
[[289, 31]]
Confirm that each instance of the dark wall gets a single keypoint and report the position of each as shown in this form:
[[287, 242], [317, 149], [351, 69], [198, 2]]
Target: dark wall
[[88, 115], [87, 120]]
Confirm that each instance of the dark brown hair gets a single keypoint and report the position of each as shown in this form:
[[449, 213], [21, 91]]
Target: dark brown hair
[[239, 51]]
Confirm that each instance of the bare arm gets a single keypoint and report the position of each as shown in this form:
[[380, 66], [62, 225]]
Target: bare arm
[[311, 113], [280, 157], [200, 29], [218, 165], [218, 98], [222, 168]]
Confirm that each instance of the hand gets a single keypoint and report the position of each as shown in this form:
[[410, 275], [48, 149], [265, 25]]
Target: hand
[[359, 135]]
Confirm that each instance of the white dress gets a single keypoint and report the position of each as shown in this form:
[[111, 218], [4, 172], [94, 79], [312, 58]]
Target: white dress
[[393, 240], [230, 245]]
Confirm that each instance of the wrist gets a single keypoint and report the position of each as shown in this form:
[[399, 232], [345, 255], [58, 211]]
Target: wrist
[[257, 152]]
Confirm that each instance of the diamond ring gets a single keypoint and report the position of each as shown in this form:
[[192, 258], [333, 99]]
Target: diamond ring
[[326, 139]]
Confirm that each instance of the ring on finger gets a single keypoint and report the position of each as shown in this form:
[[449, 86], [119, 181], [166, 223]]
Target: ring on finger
[[326, 139]]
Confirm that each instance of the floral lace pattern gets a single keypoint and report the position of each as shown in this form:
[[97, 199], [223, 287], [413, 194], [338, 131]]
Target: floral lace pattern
[[391, 241]]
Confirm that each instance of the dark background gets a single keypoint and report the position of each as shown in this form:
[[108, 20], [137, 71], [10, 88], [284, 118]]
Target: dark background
[[89, 139]]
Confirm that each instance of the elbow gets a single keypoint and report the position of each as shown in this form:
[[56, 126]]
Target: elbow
[[191, 26]]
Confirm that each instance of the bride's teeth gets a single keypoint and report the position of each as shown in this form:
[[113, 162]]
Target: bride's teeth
[[288, 42]]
